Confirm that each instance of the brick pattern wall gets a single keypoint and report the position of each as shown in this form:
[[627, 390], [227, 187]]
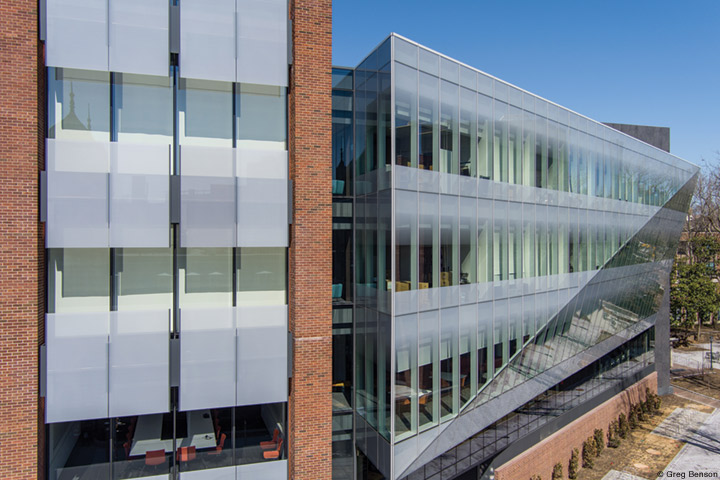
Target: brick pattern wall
[[310, 255], [558, 447], [22, 281]]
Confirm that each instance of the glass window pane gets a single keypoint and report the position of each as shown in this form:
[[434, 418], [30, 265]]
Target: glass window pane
[[143, 109], [428, 242], [405, 116], [79, 449], [261, 117], [143, 279], [449, 242], [78, 105], [78, 280], [406, 366], [484, 343], [449, 134], [428, 369], [485, 240], [514, 145], [205, 277], [205, 113], [468, 353], [449, 359], [468, 133], [406, 242], [428, 123], [261, 276], [484, 137], [266, 423], [468, 241]]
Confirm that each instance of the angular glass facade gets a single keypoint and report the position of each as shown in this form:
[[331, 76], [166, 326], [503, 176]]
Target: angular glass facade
[[498, 236]]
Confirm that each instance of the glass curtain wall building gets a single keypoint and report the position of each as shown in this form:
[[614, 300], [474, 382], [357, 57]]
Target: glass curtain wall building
[[167, 236], [499, 239]]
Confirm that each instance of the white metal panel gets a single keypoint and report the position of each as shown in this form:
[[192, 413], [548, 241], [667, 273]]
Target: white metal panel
[[139, 363], [207, 39], [262, 193], [207, 199], [262, 42], [277, 470], [77, 176], [262, 354], [223, 473], [77, 366], [140, 196], [207, 358], [77, 34], [139, 36]]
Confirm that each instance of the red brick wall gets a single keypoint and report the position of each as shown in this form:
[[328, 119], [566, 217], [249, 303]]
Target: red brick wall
[[21, 240], [558, 447], [310, 256]]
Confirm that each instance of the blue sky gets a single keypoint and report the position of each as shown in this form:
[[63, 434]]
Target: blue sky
[[648, 62]]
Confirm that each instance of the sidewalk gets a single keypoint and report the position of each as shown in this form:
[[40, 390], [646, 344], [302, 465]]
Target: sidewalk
[[701, 454]]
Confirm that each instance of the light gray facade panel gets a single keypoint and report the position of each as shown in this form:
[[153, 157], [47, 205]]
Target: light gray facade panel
[[77, 34], [207, 39], [139, 36], [207, 198], [140, 195], [207, 358], [262, 354], [268, 470], [139, 372], [222, 473], [77, 366], [262, 39], [262, 211]]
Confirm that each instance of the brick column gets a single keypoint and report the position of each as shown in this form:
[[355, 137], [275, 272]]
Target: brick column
[[22, 281], [310, 256]]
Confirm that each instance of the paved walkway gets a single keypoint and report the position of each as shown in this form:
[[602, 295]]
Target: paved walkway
[[695, 360], [615, 475], [701, 453]]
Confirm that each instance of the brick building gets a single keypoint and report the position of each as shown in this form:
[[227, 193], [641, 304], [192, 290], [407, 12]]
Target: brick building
[[225, 259]]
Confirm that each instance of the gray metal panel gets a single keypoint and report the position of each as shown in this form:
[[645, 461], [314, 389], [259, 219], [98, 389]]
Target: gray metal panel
[[139, 37], [43, 196], [174, 362], [262, 42], [43, 20], [77, 34], [43, 370], [174, 33], [175, 190], [207, 39]]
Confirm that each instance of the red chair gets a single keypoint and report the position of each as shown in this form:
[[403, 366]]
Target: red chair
[[218, 449], [272, 454], [154, 457], [185, 454], [269, 445]]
